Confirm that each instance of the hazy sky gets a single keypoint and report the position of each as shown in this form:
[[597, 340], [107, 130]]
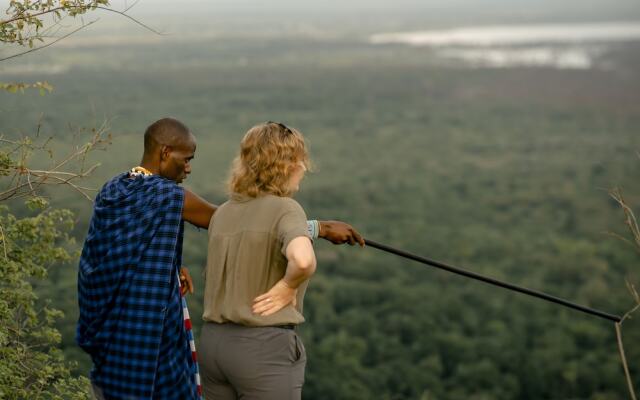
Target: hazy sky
[[302, 7], [361, 16]]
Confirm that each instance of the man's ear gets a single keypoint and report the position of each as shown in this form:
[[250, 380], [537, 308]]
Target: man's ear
[[164, 152]]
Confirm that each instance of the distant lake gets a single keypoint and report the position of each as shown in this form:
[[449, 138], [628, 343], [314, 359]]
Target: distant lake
[[516, 35], [552, 45]]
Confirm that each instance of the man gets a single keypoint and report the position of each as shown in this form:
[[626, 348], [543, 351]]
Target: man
[[132, 322]]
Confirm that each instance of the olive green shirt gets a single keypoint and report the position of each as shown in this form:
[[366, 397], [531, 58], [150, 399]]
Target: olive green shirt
[[248, 238]]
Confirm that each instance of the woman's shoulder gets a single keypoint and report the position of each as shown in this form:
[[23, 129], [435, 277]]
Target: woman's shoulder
[[225, 204], [271, 204], [282, 204]]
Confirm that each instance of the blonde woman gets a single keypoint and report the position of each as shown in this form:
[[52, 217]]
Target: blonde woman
[[259, 264]]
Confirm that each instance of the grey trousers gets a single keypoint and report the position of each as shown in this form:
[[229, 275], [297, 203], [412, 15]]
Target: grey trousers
[[238, 362]]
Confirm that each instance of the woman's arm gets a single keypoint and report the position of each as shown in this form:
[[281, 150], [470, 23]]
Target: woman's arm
[[301, 262], [301, 265]]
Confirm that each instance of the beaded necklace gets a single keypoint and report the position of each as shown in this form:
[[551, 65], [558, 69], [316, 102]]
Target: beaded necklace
[[140, 171]]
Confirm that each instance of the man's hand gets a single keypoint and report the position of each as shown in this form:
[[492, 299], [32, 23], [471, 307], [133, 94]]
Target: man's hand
[[338, 232], [186, 284]]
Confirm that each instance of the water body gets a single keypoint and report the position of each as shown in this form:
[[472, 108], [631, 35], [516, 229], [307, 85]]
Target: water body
[[575, 46]]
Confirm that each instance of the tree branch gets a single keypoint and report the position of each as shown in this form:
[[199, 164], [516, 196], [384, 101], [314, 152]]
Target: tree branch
[[27, 16], [25, 181], [122, 13], [624, 362], [48, 44], [4, 243]]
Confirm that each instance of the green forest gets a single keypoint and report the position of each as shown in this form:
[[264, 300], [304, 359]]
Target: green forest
[[504, 172]]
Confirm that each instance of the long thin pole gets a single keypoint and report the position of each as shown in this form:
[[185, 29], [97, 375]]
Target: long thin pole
[[492, 281]]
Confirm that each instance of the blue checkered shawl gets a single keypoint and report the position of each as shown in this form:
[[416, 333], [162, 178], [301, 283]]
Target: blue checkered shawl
[[131, 320]]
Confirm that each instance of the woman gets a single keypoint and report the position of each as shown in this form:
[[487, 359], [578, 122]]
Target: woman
[[259, 263]]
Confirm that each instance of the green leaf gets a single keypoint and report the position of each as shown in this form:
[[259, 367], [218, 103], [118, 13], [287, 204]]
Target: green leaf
[[37, 203]]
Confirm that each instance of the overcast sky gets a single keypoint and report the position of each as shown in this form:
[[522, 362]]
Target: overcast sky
[[337, 6], [302, 7], [361, 16]]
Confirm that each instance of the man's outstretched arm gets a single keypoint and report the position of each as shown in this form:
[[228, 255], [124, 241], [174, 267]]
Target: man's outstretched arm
[[197, 210]]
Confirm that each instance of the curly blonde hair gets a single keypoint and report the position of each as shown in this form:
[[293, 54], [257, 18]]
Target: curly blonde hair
[[268, 154]]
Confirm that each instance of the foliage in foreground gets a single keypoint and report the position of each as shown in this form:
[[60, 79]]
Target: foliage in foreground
[[33, 239], [31, 364]]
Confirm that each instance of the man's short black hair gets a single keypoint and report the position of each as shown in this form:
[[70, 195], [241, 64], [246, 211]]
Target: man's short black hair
[[165, 131]]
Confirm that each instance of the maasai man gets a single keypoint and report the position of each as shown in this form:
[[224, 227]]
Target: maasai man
[[133, 322]]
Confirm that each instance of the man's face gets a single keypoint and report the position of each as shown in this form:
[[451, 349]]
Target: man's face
[[175, 162]]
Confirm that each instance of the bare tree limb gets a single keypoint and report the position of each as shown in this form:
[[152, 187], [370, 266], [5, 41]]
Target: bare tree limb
[[25, 181], [632, 225], [630, 218], [4, 244], [628, 313], [624, 362], [138, 22], [623, 239]]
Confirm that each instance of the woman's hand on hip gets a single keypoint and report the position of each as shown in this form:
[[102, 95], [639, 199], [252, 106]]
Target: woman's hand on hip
[[278, 297]]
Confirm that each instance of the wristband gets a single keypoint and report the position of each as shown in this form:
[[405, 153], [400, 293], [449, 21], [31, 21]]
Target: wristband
[[313, 228]]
